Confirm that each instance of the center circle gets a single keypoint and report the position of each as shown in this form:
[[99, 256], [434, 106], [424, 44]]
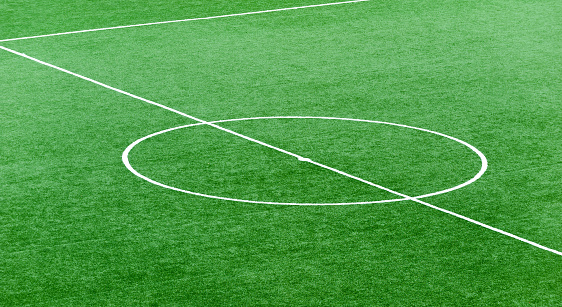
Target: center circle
[[484, 162]]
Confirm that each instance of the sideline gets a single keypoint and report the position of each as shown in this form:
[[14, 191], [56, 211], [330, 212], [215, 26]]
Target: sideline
[[484, 162], [181, 20]]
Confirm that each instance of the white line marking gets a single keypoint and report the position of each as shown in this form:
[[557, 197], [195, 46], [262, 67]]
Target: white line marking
[[406, 197], [286, 152], [182, 20], [483, 167], [149, 101]]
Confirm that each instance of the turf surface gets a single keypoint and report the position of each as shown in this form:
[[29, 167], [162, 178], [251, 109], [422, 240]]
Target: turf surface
[[77, 228]]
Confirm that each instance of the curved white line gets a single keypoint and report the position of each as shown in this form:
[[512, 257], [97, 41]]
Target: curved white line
[[125, 159], [404, 197], [202, 122]]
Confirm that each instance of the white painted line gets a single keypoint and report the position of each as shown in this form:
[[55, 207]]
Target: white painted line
[[442, 210], [148, 101], [404, 196], [98, 83], [182, 20], [484, 225], [202, 122], [483, 160]]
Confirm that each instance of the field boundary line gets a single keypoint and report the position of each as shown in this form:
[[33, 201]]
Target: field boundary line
[[303, 159], [182, 20]]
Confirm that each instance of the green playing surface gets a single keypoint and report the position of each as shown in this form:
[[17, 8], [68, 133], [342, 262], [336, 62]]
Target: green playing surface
[[79, 228]]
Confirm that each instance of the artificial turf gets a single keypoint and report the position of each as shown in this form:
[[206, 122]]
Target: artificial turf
[[77, 228]]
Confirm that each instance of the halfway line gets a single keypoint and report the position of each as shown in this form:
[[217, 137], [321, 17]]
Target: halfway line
[[287, 152], [150, 102], [182, 20]]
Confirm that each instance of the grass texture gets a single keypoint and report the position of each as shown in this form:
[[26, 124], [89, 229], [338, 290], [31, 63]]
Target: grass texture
[[77, 228]]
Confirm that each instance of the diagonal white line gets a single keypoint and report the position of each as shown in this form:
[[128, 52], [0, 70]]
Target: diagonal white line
[[149, 101], [96, 82], [440, 209], [181, 20], [289, 153]]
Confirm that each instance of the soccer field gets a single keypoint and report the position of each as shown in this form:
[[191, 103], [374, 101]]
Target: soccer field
[[298, 152]]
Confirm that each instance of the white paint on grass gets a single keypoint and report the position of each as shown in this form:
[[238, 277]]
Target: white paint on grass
[[181, 20], [213, 124], [483, 167], [149, 101], [403, 196]]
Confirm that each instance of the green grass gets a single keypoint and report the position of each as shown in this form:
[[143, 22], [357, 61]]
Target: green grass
[[77, 228]]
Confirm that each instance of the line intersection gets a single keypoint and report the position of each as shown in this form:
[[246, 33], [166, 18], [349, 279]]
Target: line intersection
[[307, 160], [214, 125]]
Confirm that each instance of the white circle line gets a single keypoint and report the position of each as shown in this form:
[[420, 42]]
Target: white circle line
[[136, 173]]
